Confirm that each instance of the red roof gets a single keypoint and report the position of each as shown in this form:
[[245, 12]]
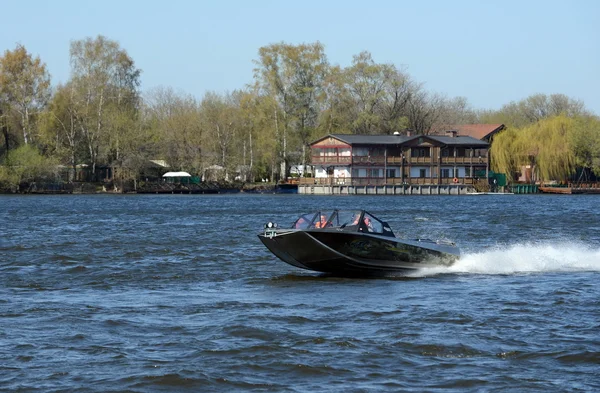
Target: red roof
[[478, 131]]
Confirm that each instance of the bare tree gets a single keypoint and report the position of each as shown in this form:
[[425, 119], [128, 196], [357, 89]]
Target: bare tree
[[175, 122]]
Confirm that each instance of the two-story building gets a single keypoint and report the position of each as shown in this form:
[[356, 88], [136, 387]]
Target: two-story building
[[358, 160]]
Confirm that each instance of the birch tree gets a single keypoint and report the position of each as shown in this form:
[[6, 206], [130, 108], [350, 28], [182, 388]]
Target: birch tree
[[105, 82], [220, 115], [59, 128], [379, 94], [294, 76], [24, 87]]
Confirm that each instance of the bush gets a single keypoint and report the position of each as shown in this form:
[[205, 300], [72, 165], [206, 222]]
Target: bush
[[26, 164]]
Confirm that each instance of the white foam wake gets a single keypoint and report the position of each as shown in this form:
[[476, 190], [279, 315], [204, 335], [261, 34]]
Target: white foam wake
[[524, 258]]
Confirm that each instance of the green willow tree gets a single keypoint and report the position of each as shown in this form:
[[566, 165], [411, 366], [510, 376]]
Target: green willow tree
[[553, 147], [555, 159], [506, 158], [585, 142]]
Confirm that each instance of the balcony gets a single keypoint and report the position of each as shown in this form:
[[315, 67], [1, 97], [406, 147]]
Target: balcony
[[465, 160], [368, 160], [421, 160], [381, 160], [379, 181], [340, 160]]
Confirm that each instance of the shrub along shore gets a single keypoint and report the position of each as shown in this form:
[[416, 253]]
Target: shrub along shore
[[140, 188]]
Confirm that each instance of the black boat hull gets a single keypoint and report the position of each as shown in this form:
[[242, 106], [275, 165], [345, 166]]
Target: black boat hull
[[337, 252]]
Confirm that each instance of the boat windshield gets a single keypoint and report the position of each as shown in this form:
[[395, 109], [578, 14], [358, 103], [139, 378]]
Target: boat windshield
[[346, 220], [320, 219], [305, 221]]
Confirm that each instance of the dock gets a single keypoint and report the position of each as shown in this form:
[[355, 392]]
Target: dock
[[591, 188], [385, 189]]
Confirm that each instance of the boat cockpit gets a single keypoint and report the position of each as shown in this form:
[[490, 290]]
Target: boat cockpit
[[344, 220]]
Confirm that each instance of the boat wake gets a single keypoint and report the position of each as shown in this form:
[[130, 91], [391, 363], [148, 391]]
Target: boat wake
[[523, 258]]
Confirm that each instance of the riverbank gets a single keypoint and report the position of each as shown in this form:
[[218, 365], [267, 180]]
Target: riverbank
[[143, 188], [253, 188]]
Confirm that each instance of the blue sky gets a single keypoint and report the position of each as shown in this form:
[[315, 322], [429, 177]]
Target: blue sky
[[491, 52]]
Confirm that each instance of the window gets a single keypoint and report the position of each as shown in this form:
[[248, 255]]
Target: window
[[377, 152], [360, 152], [355, 173], [344, 152], [468, 171], [390, 173], [422, 173], [420, 152], [372, 172], [394, 151], [446, 173], [445, 153]]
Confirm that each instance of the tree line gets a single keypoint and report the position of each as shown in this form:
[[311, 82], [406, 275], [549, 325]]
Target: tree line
[[101, 116]]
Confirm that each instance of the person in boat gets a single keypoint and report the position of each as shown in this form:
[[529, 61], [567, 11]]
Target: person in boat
[[368, 223], [322, 223], [353, 221]]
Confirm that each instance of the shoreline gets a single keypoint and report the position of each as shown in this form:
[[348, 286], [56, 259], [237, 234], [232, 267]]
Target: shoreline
[[156, 188], [88, 188]]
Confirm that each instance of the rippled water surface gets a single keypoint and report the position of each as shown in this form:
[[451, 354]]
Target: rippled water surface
[[176, 293]]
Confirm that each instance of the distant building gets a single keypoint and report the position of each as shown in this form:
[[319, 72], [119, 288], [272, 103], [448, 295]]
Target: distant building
[[399, 159], [300, 170], [177, 177], [214, 173], [484, 132]]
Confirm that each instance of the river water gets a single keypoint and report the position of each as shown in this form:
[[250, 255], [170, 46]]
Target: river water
[[147, 293]]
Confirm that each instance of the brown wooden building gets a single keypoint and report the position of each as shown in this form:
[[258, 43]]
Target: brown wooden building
[[484, 132], [357, 160]]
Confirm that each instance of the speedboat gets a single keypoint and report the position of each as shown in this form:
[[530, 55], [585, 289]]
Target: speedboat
[[350, 242]]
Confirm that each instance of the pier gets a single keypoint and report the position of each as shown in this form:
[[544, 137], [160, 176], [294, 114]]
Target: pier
[[572, 188], [386, 189]]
